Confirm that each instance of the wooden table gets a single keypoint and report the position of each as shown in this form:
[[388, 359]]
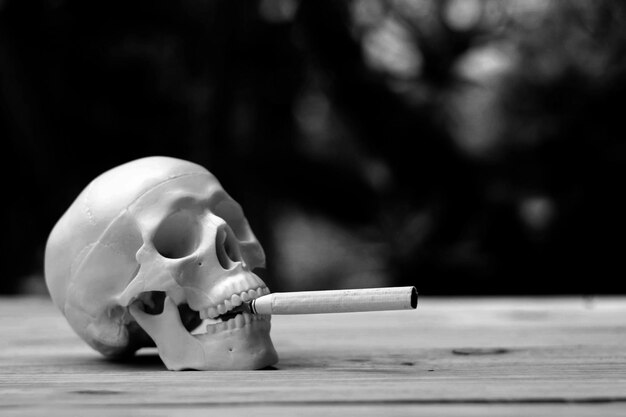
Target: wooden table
[[491, 356]]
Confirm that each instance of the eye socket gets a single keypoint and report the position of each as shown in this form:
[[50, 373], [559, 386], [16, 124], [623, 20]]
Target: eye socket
[[232, 214], [178, 235]]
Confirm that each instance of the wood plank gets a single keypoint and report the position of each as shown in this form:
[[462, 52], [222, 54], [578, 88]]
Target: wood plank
[[450, 356]]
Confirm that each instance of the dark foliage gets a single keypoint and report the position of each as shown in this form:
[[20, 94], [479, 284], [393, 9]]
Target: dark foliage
[[465, 150]]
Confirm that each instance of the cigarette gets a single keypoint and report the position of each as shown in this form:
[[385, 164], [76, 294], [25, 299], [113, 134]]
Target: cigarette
[[334, 301]]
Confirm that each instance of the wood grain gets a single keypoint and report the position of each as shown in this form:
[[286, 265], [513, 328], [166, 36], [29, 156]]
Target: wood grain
[[449, 357]]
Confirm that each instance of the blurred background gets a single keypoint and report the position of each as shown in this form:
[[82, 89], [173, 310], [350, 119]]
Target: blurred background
[[461, 146]]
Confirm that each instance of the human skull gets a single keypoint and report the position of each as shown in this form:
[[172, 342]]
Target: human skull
[[148, 251]]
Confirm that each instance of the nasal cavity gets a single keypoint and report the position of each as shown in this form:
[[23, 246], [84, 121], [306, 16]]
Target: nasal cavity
[[227, 249]]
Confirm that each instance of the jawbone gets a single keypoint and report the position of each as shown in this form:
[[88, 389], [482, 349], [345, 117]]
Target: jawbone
[[243, 347]]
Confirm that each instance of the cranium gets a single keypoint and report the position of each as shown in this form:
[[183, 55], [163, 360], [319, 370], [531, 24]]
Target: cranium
[[148, 251]]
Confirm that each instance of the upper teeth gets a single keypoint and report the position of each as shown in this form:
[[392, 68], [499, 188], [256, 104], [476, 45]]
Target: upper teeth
[[232, 302]]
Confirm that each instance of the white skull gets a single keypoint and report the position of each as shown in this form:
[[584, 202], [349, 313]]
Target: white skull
[[146, 252]]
